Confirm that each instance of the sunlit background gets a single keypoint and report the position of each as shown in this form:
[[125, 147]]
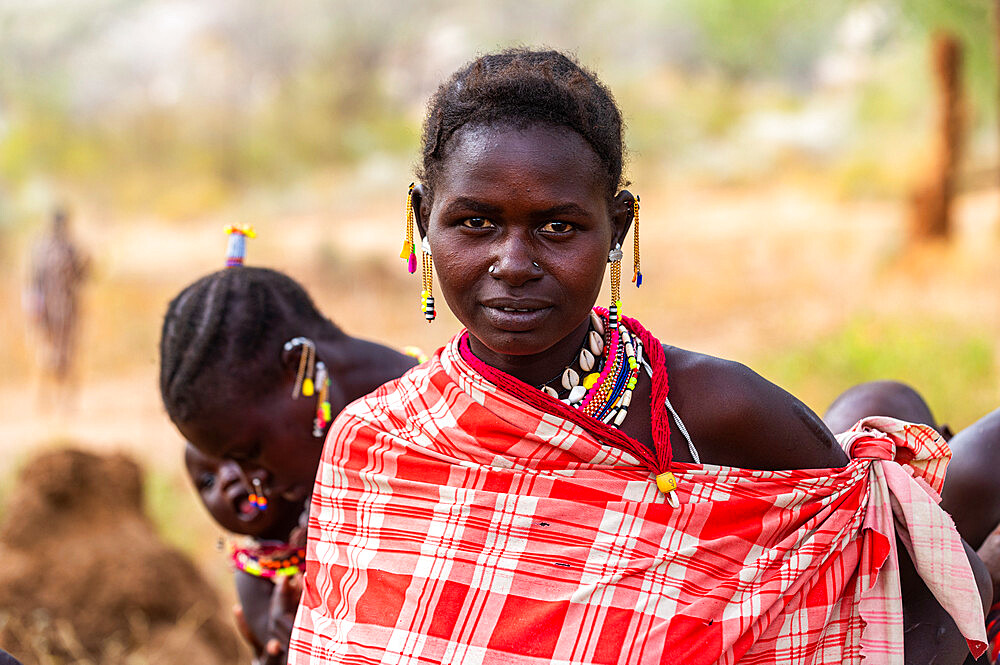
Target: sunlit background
[[782, 150]]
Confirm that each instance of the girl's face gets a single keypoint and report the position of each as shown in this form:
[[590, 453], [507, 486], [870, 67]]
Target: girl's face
[[520, 230], [269, 438], [225, 491]]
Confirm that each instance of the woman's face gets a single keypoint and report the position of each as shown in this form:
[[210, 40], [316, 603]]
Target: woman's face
[[225, 491], [269, 438], [520, 230]]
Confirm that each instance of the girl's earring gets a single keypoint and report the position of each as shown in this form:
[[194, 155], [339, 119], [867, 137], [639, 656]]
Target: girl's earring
[[615, 259], [637, 271], [323, 411], [427, 295], [304, 384], [257, 497], [409, 250]]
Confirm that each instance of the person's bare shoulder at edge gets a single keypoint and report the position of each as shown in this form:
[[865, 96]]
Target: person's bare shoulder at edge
[[972, 486], [738, 418]]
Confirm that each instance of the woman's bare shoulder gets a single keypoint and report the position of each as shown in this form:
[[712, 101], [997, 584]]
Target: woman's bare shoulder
[[739, 418]]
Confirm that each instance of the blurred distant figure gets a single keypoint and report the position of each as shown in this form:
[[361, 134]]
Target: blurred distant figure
[[58, 270]]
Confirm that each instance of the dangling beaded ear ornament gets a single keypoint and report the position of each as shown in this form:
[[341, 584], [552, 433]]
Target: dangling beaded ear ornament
[[637, 272], [427, 295], [236, 249], [257, 497], [409, 250], [307, 365], [615, 259], [323, 410]]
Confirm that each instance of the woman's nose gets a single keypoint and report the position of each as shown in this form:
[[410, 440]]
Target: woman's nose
[[514, 261]]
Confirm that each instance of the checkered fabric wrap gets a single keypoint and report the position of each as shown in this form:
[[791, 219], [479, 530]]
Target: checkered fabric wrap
[[452, 523]]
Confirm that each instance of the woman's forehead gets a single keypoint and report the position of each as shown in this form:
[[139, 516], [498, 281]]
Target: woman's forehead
[[534, 154]]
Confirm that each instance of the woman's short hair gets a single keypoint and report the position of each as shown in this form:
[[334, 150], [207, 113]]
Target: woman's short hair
[[523, 87]]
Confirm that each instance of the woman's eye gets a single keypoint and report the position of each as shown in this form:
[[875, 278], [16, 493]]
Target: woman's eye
[[477, 223], [206, 480], [557, 227]]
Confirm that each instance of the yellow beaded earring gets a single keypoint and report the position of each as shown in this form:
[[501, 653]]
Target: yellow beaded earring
[[637, 272], [427, 295], [304, 384], [408, 251], [615, 259], [426, 261]]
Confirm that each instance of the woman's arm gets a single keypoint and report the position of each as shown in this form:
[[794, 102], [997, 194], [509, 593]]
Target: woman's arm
[[254, 594]]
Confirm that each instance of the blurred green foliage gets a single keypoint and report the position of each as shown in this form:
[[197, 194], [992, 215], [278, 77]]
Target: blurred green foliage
[[952, 366], [289, 88]]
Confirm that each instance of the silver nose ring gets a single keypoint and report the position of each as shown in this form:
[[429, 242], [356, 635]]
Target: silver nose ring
[[492, 269], [535, 263]]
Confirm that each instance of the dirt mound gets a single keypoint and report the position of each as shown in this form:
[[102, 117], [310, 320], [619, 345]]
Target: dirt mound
[[85, 577]]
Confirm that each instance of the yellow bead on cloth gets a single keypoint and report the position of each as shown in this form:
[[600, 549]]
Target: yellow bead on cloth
[[666, 482], [308, 389], [589, 380]]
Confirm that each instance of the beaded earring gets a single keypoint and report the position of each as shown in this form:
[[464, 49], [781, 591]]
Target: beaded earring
[[427, 295], [637, 272], [312, 376], [236, 248], [409, 250], [257, 497], [615, 259], [307, 366], [426, 261], [323, 411]]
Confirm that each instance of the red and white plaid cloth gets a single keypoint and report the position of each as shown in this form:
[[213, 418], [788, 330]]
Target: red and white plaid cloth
[[453, 523]]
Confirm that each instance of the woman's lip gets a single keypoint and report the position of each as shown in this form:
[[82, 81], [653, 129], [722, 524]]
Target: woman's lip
[[515, 303], [515, 319]]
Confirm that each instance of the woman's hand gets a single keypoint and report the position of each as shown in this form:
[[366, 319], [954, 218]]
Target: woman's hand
[[298, 535]]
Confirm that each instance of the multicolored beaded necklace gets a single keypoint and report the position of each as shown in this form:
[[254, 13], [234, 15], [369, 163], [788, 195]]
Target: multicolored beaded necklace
[[609, 360], [268, 558]]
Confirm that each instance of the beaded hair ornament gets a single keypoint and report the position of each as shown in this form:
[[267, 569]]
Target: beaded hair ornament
[[236, 250]]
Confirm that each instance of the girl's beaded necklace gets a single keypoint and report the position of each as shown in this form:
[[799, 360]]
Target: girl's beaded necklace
[[609, 362]]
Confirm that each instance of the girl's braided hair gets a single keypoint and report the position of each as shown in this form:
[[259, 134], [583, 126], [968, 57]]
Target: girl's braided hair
[[222, 337]]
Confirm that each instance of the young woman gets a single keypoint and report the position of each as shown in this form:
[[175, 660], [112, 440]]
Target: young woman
[[531, 495], [243, 356]]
